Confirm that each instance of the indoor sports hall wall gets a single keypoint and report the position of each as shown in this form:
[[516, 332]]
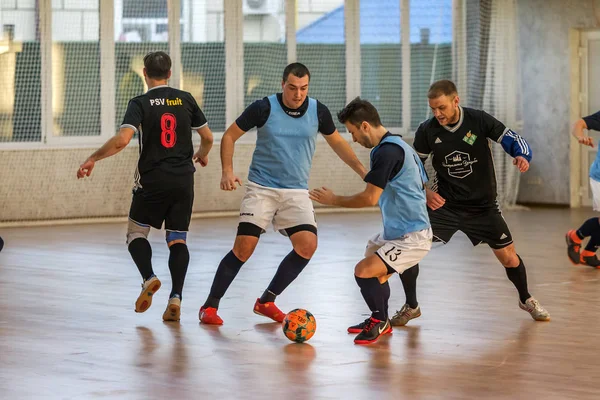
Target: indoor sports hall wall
[[43, 185], [546, 84]]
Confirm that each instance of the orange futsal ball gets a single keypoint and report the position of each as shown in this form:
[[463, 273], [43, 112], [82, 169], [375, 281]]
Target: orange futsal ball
[[299, 325]]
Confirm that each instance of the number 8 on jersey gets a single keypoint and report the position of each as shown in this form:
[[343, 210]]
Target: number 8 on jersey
[[168, 123]]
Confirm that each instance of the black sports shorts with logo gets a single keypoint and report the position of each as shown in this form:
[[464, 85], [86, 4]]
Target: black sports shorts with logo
[[481, 225], [169, 199]]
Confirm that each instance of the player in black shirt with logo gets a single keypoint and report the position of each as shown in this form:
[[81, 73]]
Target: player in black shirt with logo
[[463, 194], [164, 117]]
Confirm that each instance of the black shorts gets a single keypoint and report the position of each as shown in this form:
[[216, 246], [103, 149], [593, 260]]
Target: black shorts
[[480, 225], [169, 200]]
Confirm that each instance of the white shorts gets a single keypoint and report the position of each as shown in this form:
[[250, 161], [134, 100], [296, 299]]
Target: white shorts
[[402, 253], [595, 185], [284, 208]]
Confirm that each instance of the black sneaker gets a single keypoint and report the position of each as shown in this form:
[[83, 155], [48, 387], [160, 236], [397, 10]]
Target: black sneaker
[[372, 331], [589, 260], [358, 327]]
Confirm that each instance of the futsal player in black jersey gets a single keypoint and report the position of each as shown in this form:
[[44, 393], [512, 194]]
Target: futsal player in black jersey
[[163, 191], [463, 194]]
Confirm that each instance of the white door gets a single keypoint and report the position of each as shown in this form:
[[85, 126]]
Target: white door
[[590, 103]]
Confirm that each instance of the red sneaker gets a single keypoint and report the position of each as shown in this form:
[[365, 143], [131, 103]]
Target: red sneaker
[[269, 310], [209, 316]]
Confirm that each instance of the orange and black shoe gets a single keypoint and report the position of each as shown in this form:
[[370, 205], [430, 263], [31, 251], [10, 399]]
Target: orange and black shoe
[[358, 328], [373, 331], [573, 246], [209, 316], [269, 310], [589, 258]]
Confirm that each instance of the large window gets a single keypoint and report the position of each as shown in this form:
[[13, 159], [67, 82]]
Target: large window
[[76, 68], [265, 49], [141, 26], [381, 61], [71, 108], [203, 58], [430, 52], [321, 47], [20, 63]]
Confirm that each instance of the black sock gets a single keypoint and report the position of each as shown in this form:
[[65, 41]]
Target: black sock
[[385, 286], [518, 276], [373, 293], [228, 268], [588, 228], [409, 282], [288, 270], [594, 242], [141, 252], [179, 258]]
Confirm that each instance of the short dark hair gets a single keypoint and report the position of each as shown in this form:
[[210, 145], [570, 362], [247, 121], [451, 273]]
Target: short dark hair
[[358, 111], [442, 88], [296, 69], [157, 64]]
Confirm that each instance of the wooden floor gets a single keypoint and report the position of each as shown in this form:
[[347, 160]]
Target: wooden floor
[[68, 329]]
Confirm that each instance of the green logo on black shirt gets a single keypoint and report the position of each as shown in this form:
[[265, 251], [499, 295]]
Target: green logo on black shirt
[[470, 138]]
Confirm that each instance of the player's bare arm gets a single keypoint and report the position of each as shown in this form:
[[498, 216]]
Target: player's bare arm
[[110, 148], [434, 200], [342, 148], [206, 142], [578, 134], [521, 163], [228, 178], [367, 198]]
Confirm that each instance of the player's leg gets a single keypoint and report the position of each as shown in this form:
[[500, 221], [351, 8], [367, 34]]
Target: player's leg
[[367, 274], [304, 242], [394, 256], [177, 223], [138, 228], [491, 228], [410, 309], [373, 245], [1, 244], [179, 259], [591, 229], [444, 223], [295, 218], [256, 212], [245, 243], [517, 274]]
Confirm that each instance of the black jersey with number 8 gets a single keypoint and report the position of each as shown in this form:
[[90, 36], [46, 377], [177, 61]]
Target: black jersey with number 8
[[164, 118]]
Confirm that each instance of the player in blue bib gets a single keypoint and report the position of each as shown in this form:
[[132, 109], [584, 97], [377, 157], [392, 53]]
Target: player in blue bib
[[396, 182], [277, 190]]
